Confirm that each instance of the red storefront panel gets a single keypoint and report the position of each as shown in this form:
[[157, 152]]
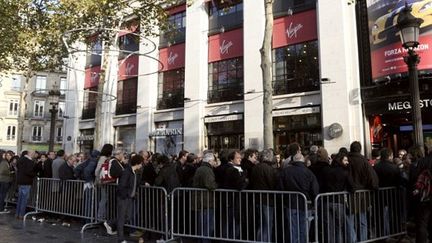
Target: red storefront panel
[[128, 68], [172, 57], [295, 29], [176, 9], [92, 77], [226, 45]]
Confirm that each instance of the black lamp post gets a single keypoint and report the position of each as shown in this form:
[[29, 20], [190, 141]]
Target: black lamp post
[[409, 27], [54, 95]]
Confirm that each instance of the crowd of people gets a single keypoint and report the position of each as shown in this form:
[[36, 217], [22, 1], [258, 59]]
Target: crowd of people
[[267, 170]]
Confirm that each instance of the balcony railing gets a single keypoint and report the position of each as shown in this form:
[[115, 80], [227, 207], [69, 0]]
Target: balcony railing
[[169, 100], [126, 108], [288, 86], [224, 93], [10, 137], [172, 37], [88, 113], [59, 139], [36, 138]]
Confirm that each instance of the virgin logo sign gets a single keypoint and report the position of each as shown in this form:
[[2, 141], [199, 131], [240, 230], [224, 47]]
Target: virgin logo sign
[[171, 58], [129, 67], [93, 77], [293, 29], [224, 48]]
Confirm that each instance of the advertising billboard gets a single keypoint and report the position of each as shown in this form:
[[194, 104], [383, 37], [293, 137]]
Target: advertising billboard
[[386, 48]]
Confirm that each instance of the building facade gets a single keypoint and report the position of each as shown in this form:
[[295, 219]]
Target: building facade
[[201, 88], [37, 115]]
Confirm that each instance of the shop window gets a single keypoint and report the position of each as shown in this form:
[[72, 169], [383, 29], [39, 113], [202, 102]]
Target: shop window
[[37, 134], [89, 107], [226, 80], [171, 89], [94, 53], [176, 32], [13, 108], [289, 7], [225, 15], [296, 68], [126, 96], [128, 44], [11, 133], [225, 135], [38, 109]]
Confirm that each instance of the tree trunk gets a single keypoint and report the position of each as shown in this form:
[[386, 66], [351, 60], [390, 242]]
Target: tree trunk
[[22, 110], [266, 67], [99, 113]]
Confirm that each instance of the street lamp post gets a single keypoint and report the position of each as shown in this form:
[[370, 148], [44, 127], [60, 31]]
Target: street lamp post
[[409, 27], [54, 95]]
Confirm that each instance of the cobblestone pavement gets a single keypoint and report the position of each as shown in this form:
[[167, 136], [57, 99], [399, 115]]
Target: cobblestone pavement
[[13, 230]]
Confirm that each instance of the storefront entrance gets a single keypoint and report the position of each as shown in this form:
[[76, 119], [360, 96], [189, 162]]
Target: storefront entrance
[[223, 133]]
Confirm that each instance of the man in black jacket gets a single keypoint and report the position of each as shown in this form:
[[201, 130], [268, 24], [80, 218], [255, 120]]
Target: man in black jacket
[[66, 170], [388, 173], [44, 166], [26, 172]]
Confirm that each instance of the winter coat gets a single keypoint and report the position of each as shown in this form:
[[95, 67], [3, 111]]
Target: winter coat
[[148, 174], [185, 173], [220, 174], [127, 181], [26, 171], [336, 179], [388, 174], [204, 178], [362, 173], [298, 178], [45, 169], [66, 172], [318, 168], [234, 178], [55, 167], [5, 172], [263, 177], [168, 177], [97, 171]]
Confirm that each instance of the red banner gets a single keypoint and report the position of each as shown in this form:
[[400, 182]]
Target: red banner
[[226, 45], [389, 59], [128, 68], [176, 9], [92, 77], [172, 57], [294, 29]]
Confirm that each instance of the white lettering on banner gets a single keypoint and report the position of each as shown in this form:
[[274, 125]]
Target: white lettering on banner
[[85, 138], [406, 105], [171, 58], [292, 30], [129, 67], [93, 77], [167, 132], [224, 48], [397, 51], [223, 118], [296, 111]]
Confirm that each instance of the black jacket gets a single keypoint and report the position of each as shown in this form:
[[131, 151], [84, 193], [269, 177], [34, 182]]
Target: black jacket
[[116, 168], [362, 173], [66, 172], [336, 179], [148, 174], [319, 169], [298, 178], [234, 179], [168, 177], [388, 174], [185, 173], [220, 173], [263, 177], [26, 171], [45, 169], [127, 181]]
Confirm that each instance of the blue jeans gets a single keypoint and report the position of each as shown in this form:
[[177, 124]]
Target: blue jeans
[[265, 228], [4, 188], [231, 227], [206, 224], [363, 226], [23, 195], [88, 201], [297, 225]]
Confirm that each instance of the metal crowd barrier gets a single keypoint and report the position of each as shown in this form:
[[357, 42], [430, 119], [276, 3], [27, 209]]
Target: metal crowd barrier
[[149, 211], [12, 195], [363, 216], [241, 216]]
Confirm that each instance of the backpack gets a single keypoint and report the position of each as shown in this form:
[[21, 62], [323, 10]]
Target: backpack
[[104, 175], [424, 185]]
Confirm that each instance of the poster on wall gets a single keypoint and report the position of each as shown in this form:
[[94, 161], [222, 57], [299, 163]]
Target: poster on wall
[[386, 48]]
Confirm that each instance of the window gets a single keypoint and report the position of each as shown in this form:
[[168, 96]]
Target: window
[[59, 134], [171, 89], [296, 68], [38, 108], [227, 14], [41, 84], [94, 53], [16, 82], [89, 107], [61, 109], [177, 29], [127, 44], [11, 133], [37, 133], [126, 96], [13, 108], [226, 80], [289, 7], [63, 86]]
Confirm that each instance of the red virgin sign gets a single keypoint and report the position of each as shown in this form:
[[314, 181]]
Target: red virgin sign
[[294, 29], [226, 45], [128, 68], [92, 77], [172, 57], [389, 59]]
